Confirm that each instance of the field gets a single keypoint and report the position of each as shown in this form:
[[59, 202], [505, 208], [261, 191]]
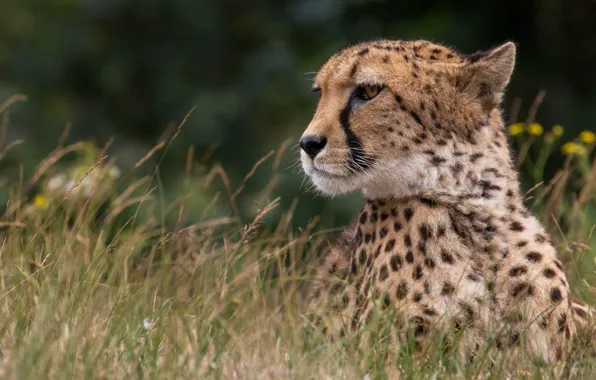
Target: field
[[103, 275]]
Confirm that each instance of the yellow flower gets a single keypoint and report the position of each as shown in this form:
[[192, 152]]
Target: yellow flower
[[572, 148], [40, 201], [587, 137], [558, 130], [516, 129], [535, 129]]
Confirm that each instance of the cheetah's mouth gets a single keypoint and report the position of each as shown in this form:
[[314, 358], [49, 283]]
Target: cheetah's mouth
[[326, 174]]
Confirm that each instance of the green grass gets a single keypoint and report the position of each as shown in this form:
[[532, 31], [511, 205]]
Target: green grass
[[142, 287]]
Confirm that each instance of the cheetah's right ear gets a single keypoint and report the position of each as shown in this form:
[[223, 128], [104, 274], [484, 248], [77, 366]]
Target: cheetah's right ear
[[486, 74]]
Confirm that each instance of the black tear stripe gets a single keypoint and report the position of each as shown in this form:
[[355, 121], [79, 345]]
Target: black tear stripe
[[358, 161]]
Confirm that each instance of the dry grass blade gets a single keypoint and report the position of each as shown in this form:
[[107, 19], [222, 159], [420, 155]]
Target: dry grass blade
[[249, 229], [587, 193], [534, 107], [115, 211], [12, 224], [208, 224], [53, 158], [129, 190], [64, 135], [280, 153], [10, 145], [78, 183], [532, 189], [218, 170], [190, 156], [183, 122], [11, 100], [150, 154], [251, 173]]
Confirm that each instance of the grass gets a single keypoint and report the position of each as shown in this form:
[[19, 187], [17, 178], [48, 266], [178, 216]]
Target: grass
[[101, 276]]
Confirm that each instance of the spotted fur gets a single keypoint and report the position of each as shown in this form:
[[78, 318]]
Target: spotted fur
[[444, 236]]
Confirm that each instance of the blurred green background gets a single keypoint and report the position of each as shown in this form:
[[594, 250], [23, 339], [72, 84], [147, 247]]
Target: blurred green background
[[128, 68]]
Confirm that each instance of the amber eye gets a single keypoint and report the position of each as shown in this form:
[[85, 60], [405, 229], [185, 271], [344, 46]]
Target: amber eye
[[367, 92]]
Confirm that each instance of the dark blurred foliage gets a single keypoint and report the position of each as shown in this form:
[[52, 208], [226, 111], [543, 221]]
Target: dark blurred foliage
[[127, 68]]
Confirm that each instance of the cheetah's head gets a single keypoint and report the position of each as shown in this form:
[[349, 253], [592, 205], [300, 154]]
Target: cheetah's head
[[391, 113]]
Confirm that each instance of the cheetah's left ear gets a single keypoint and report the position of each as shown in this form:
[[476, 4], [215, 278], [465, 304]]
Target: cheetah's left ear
[[486, 74]]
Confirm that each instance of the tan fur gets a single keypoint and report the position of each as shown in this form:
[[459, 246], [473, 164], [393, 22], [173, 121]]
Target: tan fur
[[444, 236]]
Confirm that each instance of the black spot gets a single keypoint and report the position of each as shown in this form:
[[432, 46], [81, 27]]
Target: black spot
[[396, 262], [472, 277], [397, 226], [543, 322], [515, 337], [549, 273], [383, 273], [417, 297], [555, 295], [386, 59], [363, 51], [367, 237], [383, 232], [490, 286], [429, 262], [377, 251], [384, 216], [390, 244], [559, 265], [436, 160], [408, 213], [427, 287], [522, 243], [516, 226], [374, 217], [446, 257], [362, 257], [539, 238], [417, 273], [518, 271], [428, 202], [475, 157], [333, 268], [425, 231], [407, 240], [363, 217], [562, 322], [358, 237], [534, 257], [402, 291], [398, 99], [441, 231], [521, 288], [468, 311], [410, 257], [420, 326]]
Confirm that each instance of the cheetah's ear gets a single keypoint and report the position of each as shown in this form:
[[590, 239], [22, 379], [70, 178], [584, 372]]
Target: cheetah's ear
[[486, 74]]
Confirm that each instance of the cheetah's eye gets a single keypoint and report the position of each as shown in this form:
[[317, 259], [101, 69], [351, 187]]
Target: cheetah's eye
[[367, 92]]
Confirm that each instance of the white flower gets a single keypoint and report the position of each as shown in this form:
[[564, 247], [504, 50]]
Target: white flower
[[56, 181], [87, 186], [114, 172], [147, 325], [68, 185]]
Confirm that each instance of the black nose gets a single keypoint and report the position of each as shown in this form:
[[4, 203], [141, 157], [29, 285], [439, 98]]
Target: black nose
[[313, 144]]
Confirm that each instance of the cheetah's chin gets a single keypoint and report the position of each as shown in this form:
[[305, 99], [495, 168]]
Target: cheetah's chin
[[330, 183]]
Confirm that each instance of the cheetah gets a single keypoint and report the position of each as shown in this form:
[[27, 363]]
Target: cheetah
[[444, 236]]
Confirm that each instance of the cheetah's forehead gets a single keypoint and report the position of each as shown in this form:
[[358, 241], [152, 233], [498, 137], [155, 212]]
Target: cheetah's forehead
[[345, 63]]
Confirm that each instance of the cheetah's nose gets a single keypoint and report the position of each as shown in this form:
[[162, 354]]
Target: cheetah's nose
[[313, 144]]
